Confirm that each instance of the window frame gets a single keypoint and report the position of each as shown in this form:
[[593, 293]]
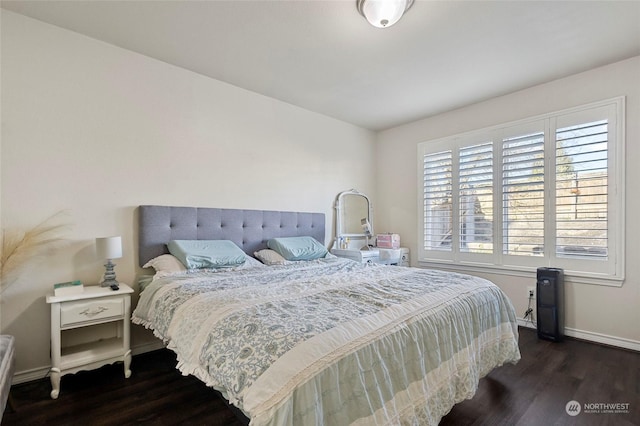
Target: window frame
[[609, 272]]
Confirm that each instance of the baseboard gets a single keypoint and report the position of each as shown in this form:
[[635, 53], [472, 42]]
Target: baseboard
[[30, 375], [591, 336], [42, 372], [147, 347]]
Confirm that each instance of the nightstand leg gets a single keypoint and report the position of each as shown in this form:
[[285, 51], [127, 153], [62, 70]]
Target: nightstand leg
[[127, 364], [55, 383]]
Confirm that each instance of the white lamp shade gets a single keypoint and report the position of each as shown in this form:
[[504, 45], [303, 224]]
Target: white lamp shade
[[109, 247], [384, 13]]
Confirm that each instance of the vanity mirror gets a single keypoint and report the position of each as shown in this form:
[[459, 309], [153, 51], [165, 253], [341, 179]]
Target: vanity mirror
[[353, 220]]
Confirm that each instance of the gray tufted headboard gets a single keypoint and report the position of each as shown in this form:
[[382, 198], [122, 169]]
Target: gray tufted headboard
[[249, 229]]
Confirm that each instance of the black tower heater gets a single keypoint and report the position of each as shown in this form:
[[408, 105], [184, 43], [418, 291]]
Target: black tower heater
[[550, 304]]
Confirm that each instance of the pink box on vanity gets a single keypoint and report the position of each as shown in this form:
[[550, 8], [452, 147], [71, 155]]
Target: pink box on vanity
[[391, 241]]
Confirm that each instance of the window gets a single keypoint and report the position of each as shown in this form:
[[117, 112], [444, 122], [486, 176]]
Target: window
[[437, 200], [475, 191], [581, 190], [541, 192], [523, 194]]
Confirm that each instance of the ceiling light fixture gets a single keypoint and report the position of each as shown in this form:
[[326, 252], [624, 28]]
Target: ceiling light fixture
[[383, 13]]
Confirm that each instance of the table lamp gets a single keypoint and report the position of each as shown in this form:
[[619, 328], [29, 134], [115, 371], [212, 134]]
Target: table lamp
[[109, 248]]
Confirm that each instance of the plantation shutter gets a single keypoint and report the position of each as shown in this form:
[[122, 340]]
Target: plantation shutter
[[582, 190], [476, 198], [437, 187], [523, 194], [544, 191]]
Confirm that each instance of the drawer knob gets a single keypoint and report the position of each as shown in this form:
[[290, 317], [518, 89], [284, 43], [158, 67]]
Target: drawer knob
[[91, 313]]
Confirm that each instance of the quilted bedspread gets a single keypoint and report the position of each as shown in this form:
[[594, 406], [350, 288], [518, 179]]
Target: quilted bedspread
[[332, 341]]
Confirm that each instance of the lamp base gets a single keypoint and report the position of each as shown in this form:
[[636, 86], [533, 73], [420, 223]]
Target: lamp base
[[109, 283], [109, 275]]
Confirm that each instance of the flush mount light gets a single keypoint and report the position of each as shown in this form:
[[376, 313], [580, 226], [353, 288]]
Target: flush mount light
[[383, 13]]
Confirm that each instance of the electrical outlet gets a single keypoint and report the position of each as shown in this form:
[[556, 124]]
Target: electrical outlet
[[531, 292]]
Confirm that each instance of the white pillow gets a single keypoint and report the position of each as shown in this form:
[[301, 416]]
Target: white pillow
[[164, 265], [270, 257]]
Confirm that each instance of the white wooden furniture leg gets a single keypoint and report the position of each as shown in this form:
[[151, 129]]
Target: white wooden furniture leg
[[127, 365], [55, 383]]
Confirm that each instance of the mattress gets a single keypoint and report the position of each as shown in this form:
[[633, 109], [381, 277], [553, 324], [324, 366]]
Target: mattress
[[333, 341]]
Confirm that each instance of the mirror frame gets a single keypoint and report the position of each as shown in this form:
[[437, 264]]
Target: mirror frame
[[339, 206]]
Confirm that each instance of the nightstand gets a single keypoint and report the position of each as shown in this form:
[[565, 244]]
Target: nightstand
[[77, 319]]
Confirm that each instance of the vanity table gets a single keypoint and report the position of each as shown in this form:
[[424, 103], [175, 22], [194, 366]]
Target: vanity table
[[398, 257], [354, 230], [362, 256]]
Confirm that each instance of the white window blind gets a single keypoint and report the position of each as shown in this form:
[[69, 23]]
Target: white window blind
[[523, 194], [437, 192], [476, 198], [582, 190], [548, 191]]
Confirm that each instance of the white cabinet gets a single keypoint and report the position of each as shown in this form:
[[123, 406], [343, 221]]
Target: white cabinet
[[82, 314]]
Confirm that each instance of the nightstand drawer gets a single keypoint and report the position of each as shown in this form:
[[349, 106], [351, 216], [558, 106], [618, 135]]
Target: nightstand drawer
[[82, 311]]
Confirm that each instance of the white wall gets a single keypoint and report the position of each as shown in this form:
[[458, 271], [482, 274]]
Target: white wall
[[599, 313], [97, 130]]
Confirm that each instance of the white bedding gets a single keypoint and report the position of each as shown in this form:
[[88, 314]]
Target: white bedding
[[333, 341]]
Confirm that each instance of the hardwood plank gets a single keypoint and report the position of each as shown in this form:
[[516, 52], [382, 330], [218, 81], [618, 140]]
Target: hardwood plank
[[533, 392]]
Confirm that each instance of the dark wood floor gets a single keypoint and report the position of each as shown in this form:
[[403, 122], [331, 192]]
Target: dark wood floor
[[533, 392]]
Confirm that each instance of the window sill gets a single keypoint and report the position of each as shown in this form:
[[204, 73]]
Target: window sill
[[574, 277]]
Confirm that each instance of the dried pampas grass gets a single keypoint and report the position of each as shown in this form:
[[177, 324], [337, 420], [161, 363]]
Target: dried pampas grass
[[20, 247]]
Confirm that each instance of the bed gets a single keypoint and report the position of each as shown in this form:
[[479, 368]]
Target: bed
[[322, 341]]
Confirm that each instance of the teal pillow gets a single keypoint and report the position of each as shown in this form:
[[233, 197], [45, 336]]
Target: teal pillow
[[195, 254], [298, 248]]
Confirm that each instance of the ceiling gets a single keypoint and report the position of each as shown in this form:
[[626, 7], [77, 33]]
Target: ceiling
[[325, 57]]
